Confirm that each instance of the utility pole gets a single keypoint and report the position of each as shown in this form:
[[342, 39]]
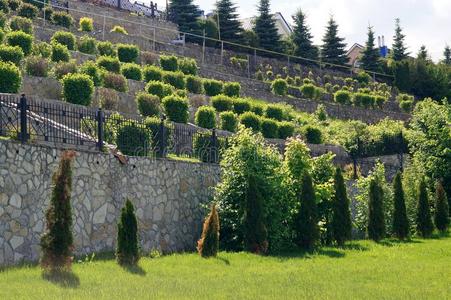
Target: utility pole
[[219, 26]]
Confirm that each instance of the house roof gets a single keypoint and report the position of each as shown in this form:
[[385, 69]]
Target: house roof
[[248, 23], [356, 45]]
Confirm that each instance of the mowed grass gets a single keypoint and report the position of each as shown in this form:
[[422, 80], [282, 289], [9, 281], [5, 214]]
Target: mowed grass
[[420, 269]]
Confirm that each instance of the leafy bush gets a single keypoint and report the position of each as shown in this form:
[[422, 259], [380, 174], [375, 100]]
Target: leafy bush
[[232, 89], [37, 3], [42, 49], [133, 139], [308, 90], [63, 68], [251, 120], [63, 19], [131, 71], [60, 53], [222, 103], [181, 93], [10, 78], [176, 79], [342, 97], [127, 252], [86, 24], [194, 84], [152, 73], [286, 130], [148, 105], [269, 128], [176, 109], [119, 29], [21, 24], [111, 64], [115, 81], [362, 99], [37, 66], [169, 63], [228, 121], [4, 7], [258, 108], [78, 89], [64, 38], [127, 53], [241, 105], [106, 49], [405, 102], [208, 245], [21, 39], [87, 45], [2, 20], [159, 89], [13, 54], [274, 111], [48, 13], [380, 100], [90, 68], [206, 117], [149, 58], [312, 134], [14, 4], [187, 66], [27, 10], [212, 87], [279, 87]]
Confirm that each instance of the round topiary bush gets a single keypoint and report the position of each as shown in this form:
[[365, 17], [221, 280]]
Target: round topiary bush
[[194, 84], [169, 63], [87, 45], [27, 10], [78, 88], [64, 38], [86, 24], [363, 77], [13, 54], [21, 39], [222, 103], [228, 121], [131, 71], [380, 100], [406, 105], [312, 134], [106, 49], [37, 66], [212, 87], [274, 111], [63, 68], [111, 64], [342, 97], [176, 109], [148, 105], [152, 73], [176, 79], [10, 78], [206, 117], [21, 24], [363, 99], [60, 53], [270, 129], [115, 81], [241, 105], [92, 70], [63, 19], [187, 66], [42, 49], [308, 90], [232, 89], [127, 53], [159, 89], [251, 120], [286, 130], [181, 93], [133, 139], [279, 87], [258, 108]]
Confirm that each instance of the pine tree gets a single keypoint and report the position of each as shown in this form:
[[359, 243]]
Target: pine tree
[[57, 241], [447, 55], [341, 218], [230, 27], [302, 38], [376, 222], [400, 220], [333, 49], [399, 51], [208, 244], [265, 28], [306, 220], [127, 236], [371, 59], [424, 221], [185, 14], [423, 53], [441, 217]]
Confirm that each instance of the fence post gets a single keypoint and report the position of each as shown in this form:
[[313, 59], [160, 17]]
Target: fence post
[[100, 131], [203, 49], [214, 157], [23, 119], [154, 42], [222, 53], [43, 12], [103, 28], [401, 152], [248, 66], [161, 151]]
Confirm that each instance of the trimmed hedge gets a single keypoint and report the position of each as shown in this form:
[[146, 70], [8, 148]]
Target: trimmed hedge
[[127, 53], [111, 64], [194, 84], [60, 53], [92, 70], [169, 63], [206, 117], [232, 89], [13, 54], [152, 73], [131, 71], [106, 49], [148, 105], [342, 97], [258, 108], [10, 78], [212, 87], [251, 120], [279, 87], [176, 79], [21, 39], [187, 66], [42, 49], [37, 66], [87, 45], [21, 24], [64, 38], [274, 111], [222, 103], [269, 128], [241, 106], [86, 24], [286, 130], [176, 109], [115, 81], [63, 19], [308, 90], [133, 139], [159, 89], [27, 10], [312, 134], [228, 121], [363, 99], [78, 89]]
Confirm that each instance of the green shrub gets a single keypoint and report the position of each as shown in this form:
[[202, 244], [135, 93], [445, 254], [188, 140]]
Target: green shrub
[[154, 125], [400, 225], [13, 54], [241, 105], [312, 134], [119, 29], [169, 63], [228, 121], [10, 78], [42, 49], [127, 53], [406, 105], [90, 68], [4, 7], [64, 38], [363, 77], [297, 81], [187, 66], [342, 97], [181, 93], [380, 100], [194, 84], [2, 20], [362, 99], [60, 53], [133, 139], [176, 109], [222, 103], [127, 252], [148, 105], [251, 120], [269, 128], [376, 218], [232, 89], [115, 81], [258, 108], [111, 64], [27, 10], [37, 66], [78, 89], [204, 149], [63, 68], [341, 215], [212, 87], [63, 19], [308, 90], [176, 79], [286, 130], [86, 24], [131, 71], [279, 87], [48, 13], [87, 45], [37, 3], [21, 24], [206, 117], [149, 58], [21, 39], [152, 73], [441, 216], [321, 113], [274, 111], [259, 75], [208, 245], [424, 225], [14, 4], [159, 89], [106, 49]]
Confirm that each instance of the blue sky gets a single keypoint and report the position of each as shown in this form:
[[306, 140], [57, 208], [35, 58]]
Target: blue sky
[[424, 21]]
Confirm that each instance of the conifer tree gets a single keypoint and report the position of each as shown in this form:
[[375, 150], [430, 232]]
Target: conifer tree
[[265, 28], [441, 217], [208, 244], [230, 27], [306, 220], [302, 38], [447, 56], [423, 53], [57, 241], [341, 218], [399, 50], [376, 222], [400, 220], [333, 48], [371, 59], [185, 14], [127, 252], [424, 221]]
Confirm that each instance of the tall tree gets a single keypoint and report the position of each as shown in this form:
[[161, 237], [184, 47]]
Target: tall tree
[[127, 252], [230, 27], [399, 50], [302, 38], [371, 58], [423, 53], [400, 220], [185, 14], [333, 48], [447, 55], [341, 217], [441, 217], [376, 222], [424, 221], [265, 28]]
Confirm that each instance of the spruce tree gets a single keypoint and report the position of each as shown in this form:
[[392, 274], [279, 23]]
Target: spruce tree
[[333, 49], [306, 219], [341, 218], [423, 53], [441, 217], [400, 220], [424, 221], [185, 14], [302, 38], [57, 241], [265, 28], [230, 27], [376, 222], [399, 50], [208, 244], [127, 251], [371, 59], [447, 56]]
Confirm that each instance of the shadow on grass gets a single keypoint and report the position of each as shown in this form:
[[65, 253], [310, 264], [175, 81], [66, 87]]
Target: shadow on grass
[[224, 260], [354, 246], [329, 252], [136, 270], [63, 279], [394, 242]]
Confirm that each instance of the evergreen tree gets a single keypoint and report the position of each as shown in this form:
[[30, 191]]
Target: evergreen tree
[[333, 49], [400, 220], [306, 220], [208, 244], [127, 236], [265, 28], [423, 53], [441, 209], [57, 241], [424, 221], [399, 51], [230, 27], [302, 38], [210, 28], [376, 222], [371, 59], [447, 55], [341, 218], [185, 14]]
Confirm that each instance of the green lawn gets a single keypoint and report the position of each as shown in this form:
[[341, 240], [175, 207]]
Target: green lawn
[[420, 269]]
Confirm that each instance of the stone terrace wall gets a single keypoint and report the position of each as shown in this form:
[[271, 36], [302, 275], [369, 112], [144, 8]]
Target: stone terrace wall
[[167, 196]]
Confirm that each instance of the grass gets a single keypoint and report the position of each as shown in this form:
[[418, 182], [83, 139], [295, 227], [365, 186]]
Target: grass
[[419, 269]]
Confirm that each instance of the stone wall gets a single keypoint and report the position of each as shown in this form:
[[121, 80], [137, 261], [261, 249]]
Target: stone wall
[[167, 196]]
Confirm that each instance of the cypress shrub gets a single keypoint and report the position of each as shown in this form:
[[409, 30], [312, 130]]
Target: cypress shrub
[[187, 66], [159, 89], [12, 54], [148, 105], [241, 105], [127, 252], [27, 10], [228, 121], [206, 117], [21, 24], [312, 134], [441, 216], [274, 111], [176, 79], [106, 49], [232, 89], [308, 90], [341, 215], [152, 73], [127, 53], [21, 39], [133, 139], [279, 87], [131, 71], [208, 245], [64, 38], [286, 130], [342, 97], [251, 120], [60, 53], [63, 19], [90, 68], [176, 109], [86, 24], [269, 128], [194, 84], [169, 63], [212, 87], [376, 223], [10, 78], [400, 220], [57, 241], [78, 89], [423, 220], [109, 63], [222, 103], [115, 81], [87, 45], [258, 108]]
